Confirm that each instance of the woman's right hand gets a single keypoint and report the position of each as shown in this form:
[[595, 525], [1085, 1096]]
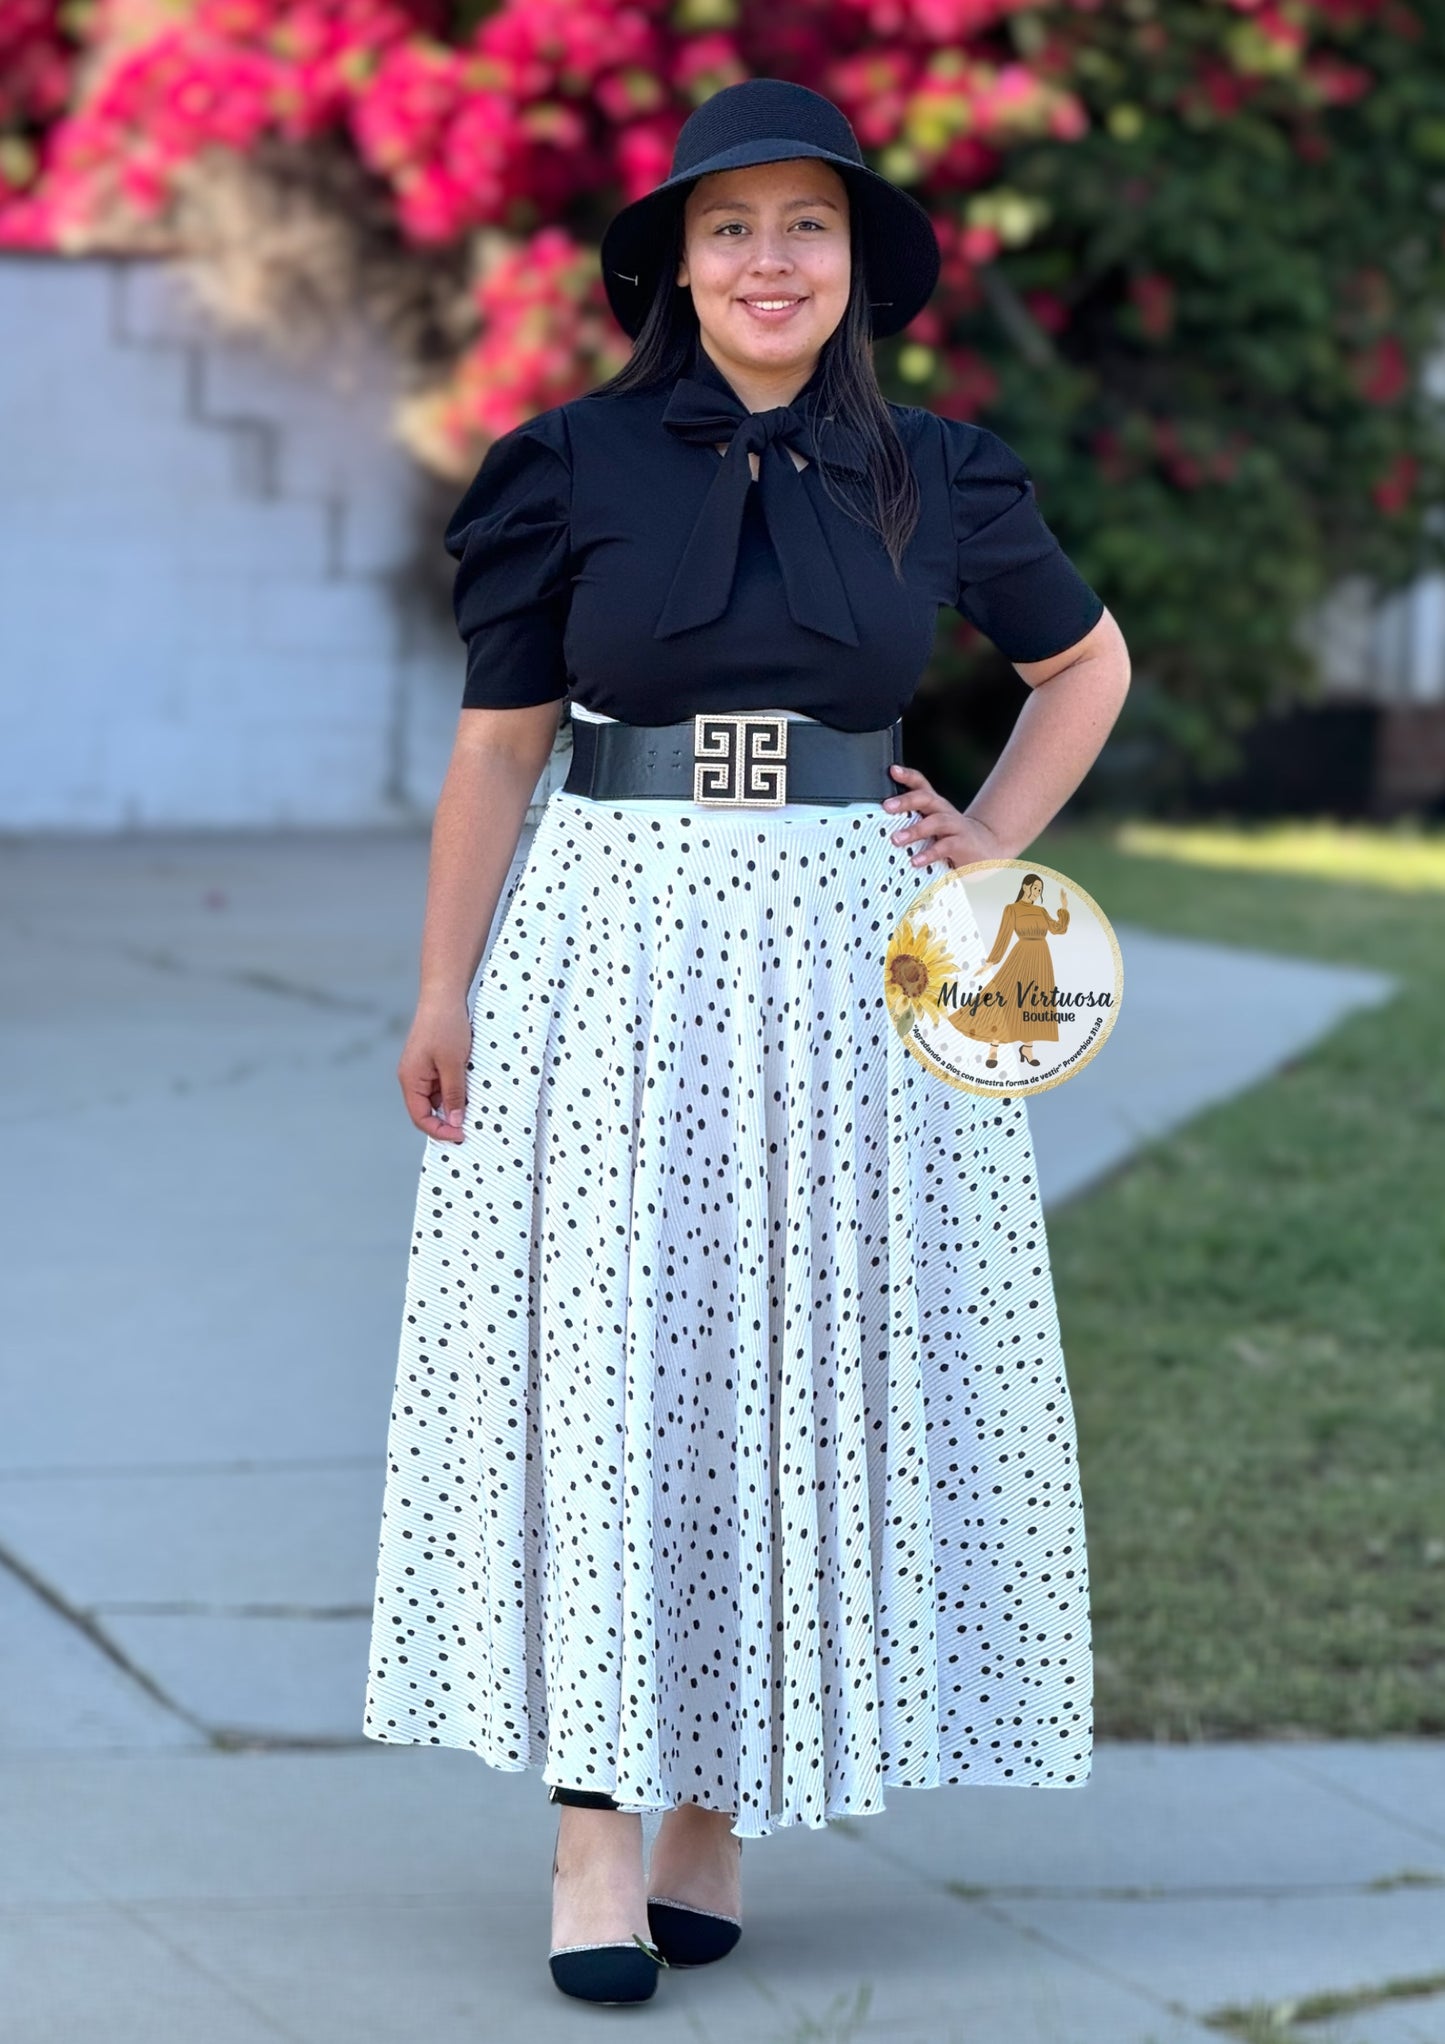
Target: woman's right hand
[[433, 1069]]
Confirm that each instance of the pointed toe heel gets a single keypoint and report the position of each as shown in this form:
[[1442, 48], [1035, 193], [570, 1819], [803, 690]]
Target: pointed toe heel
[[615, 1973], [620, 1971], [690, 1937]]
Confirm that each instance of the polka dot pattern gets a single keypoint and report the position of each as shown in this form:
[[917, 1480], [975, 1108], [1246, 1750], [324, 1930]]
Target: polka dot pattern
[[732, 1457]]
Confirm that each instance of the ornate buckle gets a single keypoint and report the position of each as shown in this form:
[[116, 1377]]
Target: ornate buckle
[[738, 761]]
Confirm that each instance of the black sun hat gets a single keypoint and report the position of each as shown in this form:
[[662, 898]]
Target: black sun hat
[[768, 120]]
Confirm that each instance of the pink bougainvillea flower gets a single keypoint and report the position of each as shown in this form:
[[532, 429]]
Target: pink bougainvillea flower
[[1395, 489], [1048, 310], [1153, 298], [431, 205], [1334, 82], [873, 89], [414, 93], [1382, 372], [643, 155]]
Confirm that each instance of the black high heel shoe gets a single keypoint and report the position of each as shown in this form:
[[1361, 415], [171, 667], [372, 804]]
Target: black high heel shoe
[[619, 1971], [689, 1936], [1024, 1054]]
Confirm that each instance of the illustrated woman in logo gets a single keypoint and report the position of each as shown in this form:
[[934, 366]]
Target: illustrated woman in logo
[[1015, 1013]]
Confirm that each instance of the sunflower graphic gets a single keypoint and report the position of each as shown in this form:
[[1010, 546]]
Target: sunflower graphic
[[914, 971]]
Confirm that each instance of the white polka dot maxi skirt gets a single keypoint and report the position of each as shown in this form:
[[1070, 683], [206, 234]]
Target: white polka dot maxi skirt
[[732, 1458]]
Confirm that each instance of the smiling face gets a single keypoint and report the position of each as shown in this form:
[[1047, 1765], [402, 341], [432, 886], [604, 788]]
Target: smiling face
[[766, 255]]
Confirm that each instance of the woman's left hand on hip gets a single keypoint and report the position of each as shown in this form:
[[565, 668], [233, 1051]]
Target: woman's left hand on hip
[[941, 832]]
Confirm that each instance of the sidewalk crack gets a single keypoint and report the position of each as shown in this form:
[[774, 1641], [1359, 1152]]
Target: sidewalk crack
[[83, 1623]]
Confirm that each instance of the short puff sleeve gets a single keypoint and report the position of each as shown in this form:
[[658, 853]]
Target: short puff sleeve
[[509, 537], [1015, 582]]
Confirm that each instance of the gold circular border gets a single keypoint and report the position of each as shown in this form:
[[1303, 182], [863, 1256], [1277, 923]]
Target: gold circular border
[[926, 893]]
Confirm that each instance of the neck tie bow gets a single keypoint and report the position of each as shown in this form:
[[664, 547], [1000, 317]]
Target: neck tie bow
[[701, 414]]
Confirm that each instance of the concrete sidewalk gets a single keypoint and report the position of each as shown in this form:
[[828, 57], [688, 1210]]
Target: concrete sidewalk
[[201, 1037], [396, 1894]]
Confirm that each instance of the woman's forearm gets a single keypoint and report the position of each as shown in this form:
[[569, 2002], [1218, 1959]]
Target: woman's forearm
[[1059, 733], [475, 832]]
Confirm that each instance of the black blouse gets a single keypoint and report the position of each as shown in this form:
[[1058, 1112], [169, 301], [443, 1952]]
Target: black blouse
[[607, 552]]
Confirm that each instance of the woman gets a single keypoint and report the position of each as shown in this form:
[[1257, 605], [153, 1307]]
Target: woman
[[1015, 1006], [731, 1468]]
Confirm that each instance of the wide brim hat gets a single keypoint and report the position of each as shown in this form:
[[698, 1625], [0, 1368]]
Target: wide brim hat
[[768, 120]]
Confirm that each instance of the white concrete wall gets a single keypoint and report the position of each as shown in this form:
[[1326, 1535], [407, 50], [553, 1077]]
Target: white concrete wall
[[215, 602], [1388, 650]]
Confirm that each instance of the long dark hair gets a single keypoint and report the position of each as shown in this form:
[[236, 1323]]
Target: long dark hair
[[888, 501]]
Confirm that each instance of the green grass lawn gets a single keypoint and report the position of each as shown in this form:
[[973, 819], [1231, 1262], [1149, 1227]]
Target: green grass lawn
[[1254, 1318]]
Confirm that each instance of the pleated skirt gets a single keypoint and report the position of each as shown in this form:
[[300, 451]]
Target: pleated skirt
[[731, 1458]]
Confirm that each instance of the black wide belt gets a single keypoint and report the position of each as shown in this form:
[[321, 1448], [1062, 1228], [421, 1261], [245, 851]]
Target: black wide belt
[[733, 760]]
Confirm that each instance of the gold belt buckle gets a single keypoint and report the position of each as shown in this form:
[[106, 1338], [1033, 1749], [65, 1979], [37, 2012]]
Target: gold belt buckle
[[738, 761]]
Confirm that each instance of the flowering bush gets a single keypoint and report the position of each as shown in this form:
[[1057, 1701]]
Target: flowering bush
[[1192, 249]]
